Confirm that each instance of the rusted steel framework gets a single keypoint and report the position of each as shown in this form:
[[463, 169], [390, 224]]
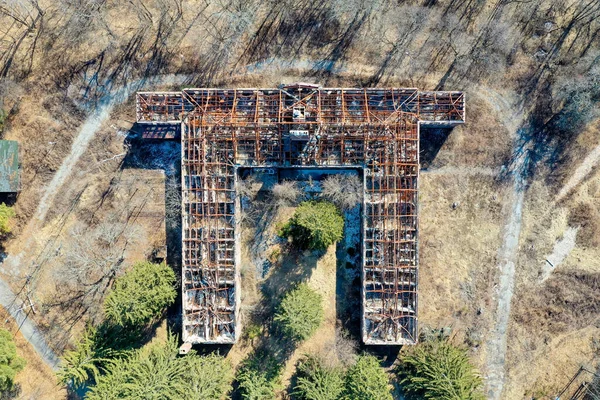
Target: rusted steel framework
[[305, 126]]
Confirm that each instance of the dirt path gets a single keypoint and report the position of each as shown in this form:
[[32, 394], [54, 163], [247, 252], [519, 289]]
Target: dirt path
[[562, 249], [18, 310], [497, 344], [589, 162], [512, 117], [80, 144]]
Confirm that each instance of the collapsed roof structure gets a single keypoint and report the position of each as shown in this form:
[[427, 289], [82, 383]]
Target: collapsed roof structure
[[300, 125]]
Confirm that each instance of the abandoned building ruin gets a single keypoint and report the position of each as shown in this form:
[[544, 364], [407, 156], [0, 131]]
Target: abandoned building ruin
[[305, 126]]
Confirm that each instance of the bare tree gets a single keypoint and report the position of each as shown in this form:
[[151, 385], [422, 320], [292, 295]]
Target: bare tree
[[173, 200], [345, 191], [286, 193], [90, 260], [249, 187]]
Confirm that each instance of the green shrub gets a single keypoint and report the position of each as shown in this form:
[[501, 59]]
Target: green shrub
[[141, 294], [259, 377], [10, 362], [315, 225], [6, 213], [157, 372], [300, 313], [439, 370], [252, 331], [318, 382], [366, 380]]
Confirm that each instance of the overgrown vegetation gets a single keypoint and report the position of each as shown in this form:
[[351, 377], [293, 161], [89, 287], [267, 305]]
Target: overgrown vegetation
[[315, 225], [439, 370], [2, 120], [138, 298], [86, 361], [542, 55], [10, 362], [6, 213], [286, 193], [316, 381], [156, 372], [366, 380], [300, 313], [259, 377], [141, 294], [345, 191]]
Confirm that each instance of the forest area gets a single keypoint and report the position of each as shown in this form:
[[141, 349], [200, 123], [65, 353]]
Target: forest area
[[509, 202]]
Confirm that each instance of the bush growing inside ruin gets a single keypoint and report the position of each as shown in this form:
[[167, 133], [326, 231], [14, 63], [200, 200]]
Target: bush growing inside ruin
[[300, 313], [10, 362], [345, 191], [286, 193], [157, 372], [439, 370], [316, 381], [6, 213], [366, 380], [141, 294], [315, 225]]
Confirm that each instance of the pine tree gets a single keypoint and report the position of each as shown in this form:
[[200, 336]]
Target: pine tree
[[10, 362], [6, 213], [300, 313], [259, 377], [87, 360], [141, 294], [315, 381], [315, 225], [366, 380], [158, 373], [439, 370]]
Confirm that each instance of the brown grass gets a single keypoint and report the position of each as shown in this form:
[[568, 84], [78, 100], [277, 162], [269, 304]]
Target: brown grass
[[587, 217]]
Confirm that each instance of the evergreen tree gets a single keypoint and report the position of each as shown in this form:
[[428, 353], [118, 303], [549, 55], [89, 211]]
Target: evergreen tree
[[6, 213], [366, 380], [318, 382], [141, 294], [10, 362], [300, 313], [315, 225], [87, 360], [158, 373], [439, 370], [259, 377]]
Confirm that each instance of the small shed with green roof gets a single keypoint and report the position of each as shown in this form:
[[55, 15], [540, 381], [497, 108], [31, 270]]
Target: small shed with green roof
[[9, 166]]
